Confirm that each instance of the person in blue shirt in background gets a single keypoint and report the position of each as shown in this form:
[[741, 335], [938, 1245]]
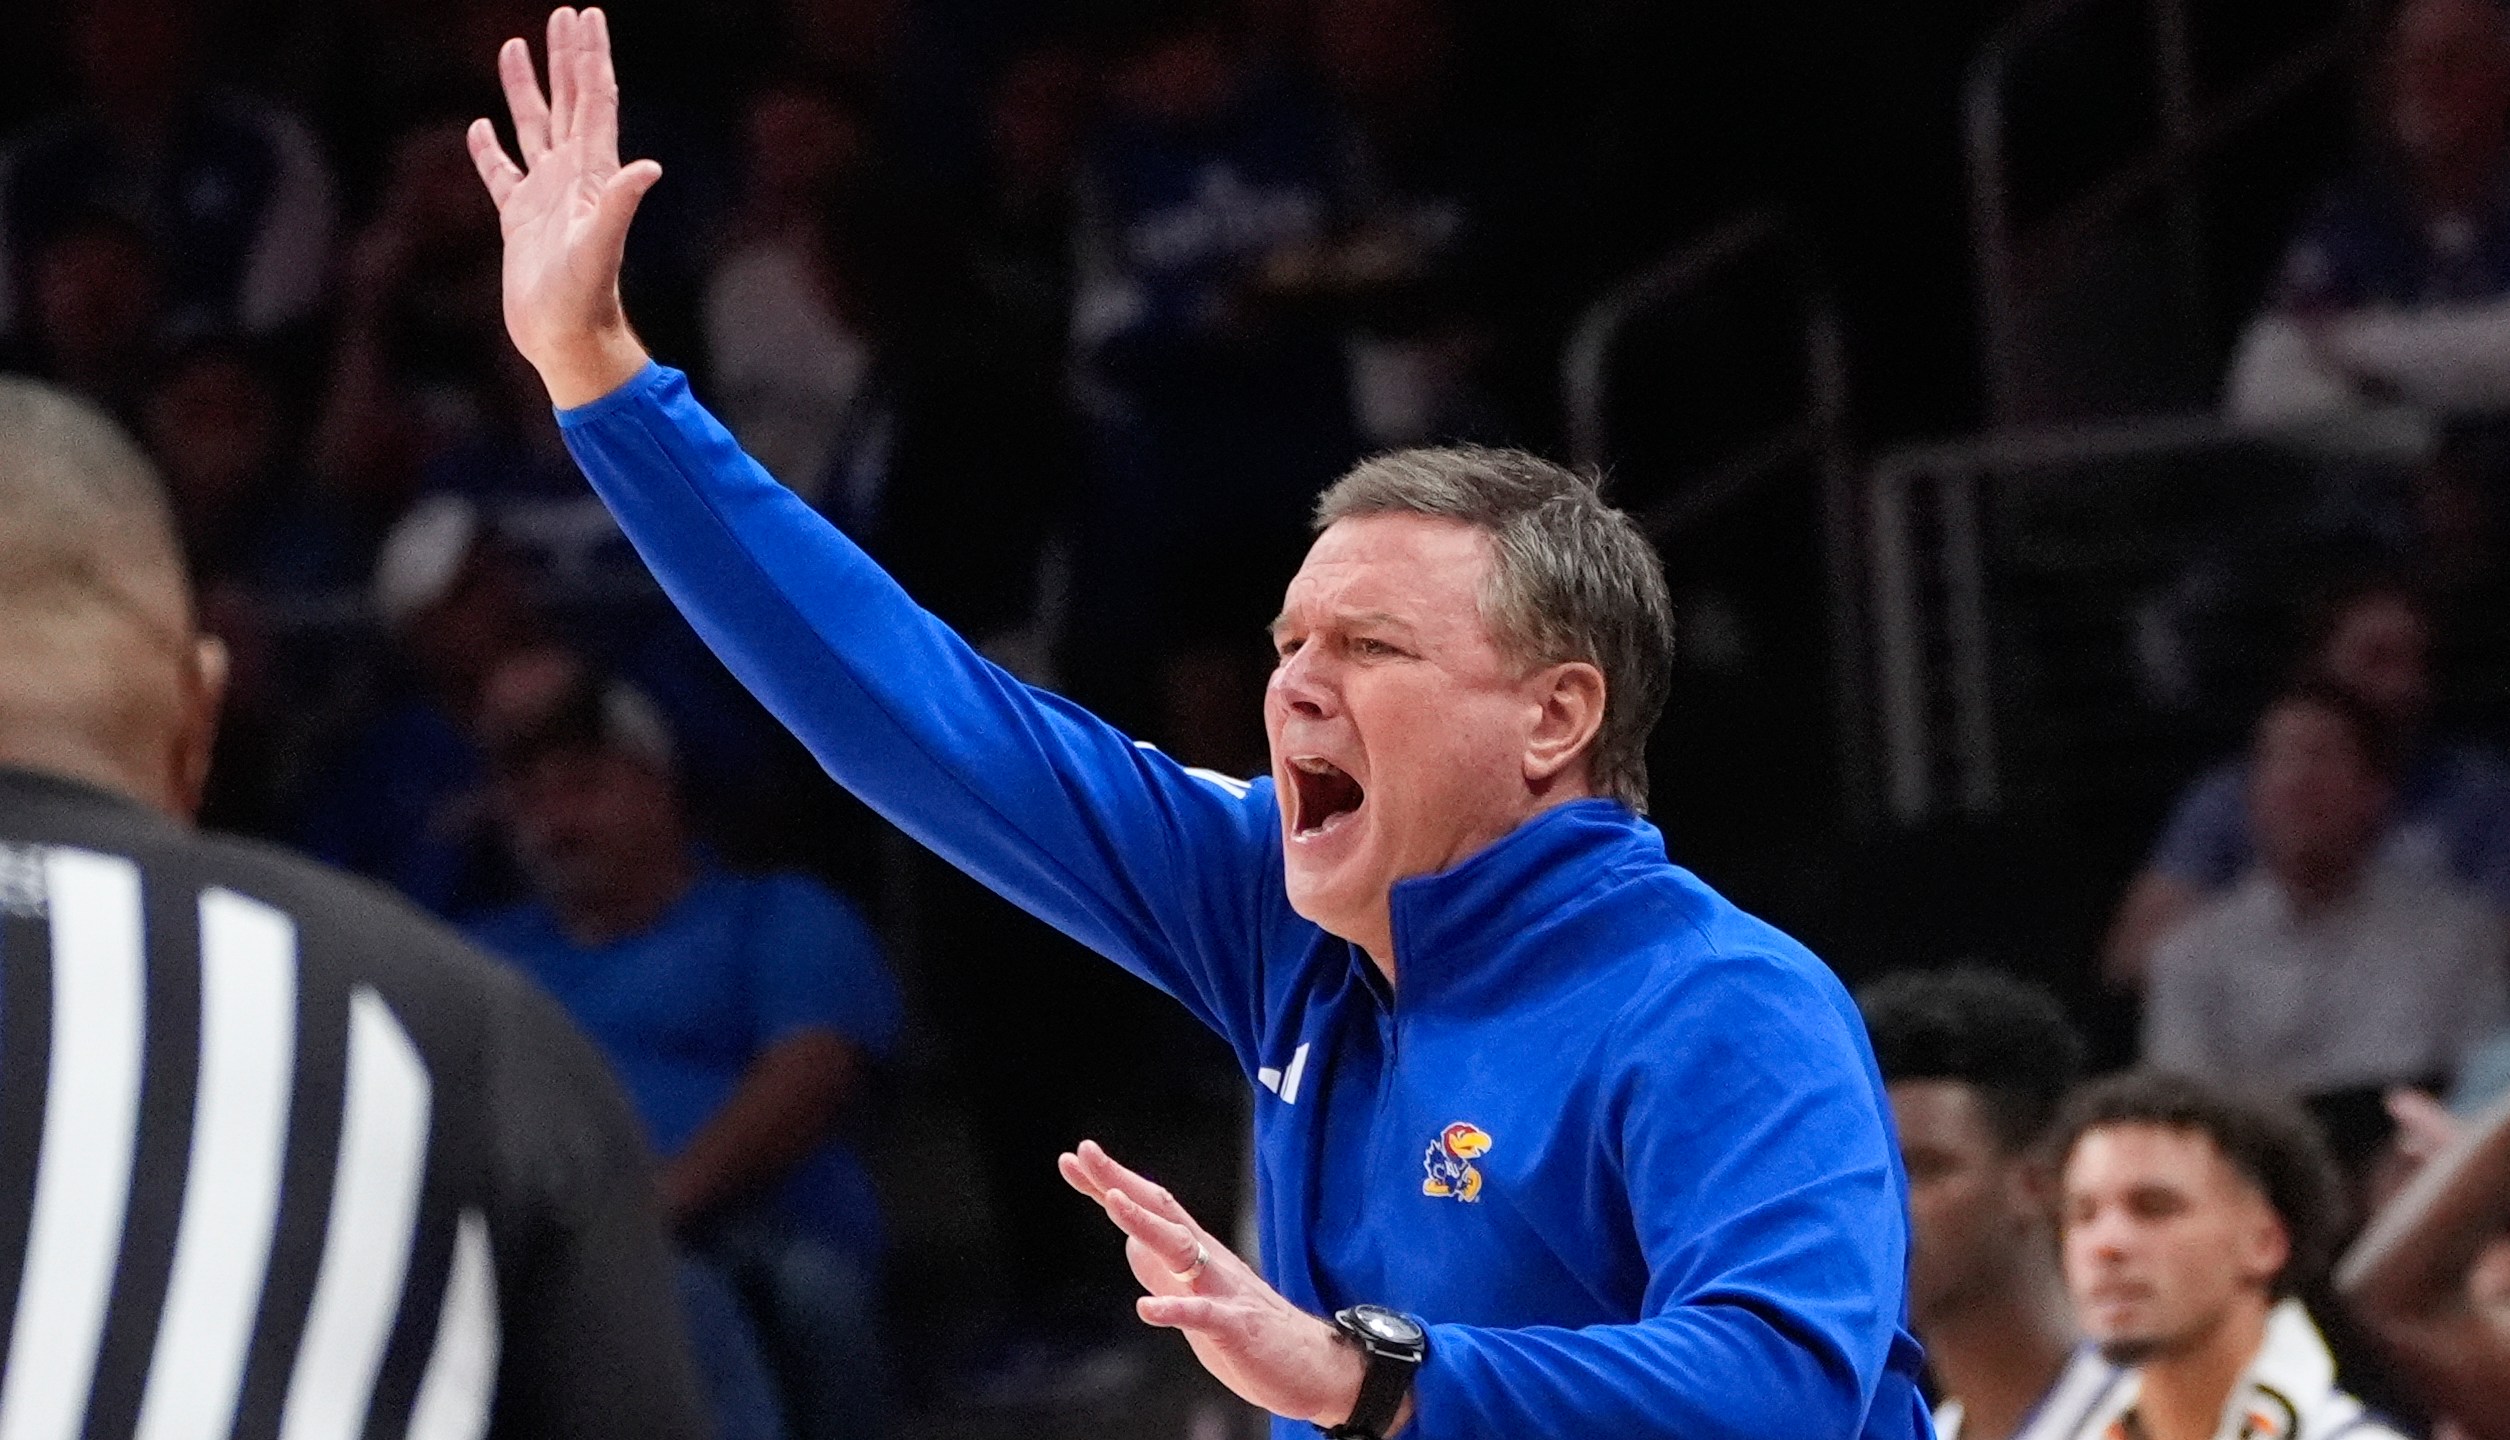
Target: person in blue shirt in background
[[742, 1013], [1619, 1150], [2373, 639]]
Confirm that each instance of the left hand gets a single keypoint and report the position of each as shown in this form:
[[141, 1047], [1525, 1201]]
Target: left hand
[[1269, 1351]]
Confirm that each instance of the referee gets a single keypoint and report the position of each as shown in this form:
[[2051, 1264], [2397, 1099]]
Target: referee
[[279, 1158]]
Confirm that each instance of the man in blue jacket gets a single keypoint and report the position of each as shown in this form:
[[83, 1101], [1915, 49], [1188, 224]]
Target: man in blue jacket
[[1551, 1139]]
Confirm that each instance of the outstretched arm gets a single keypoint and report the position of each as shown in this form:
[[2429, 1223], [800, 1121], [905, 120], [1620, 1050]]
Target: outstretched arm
[[1172, 873], [2418, 1279]]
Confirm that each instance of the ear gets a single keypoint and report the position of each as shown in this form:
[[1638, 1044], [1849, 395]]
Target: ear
[[2031, 1191], [196, 736], [2265, 1244], [1571, 700]]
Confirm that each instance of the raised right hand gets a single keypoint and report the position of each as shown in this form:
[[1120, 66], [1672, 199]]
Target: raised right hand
[[565, 210]]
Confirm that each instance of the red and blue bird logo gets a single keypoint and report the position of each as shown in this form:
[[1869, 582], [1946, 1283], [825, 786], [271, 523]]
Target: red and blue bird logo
[[1450, 1162]]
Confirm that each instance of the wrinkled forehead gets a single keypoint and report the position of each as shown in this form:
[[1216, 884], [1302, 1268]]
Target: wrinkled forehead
[[1422, 567]]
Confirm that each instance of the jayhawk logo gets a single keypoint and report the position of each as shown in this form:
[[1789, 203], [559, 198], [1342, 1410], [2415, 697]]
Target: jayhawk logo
[[1450, 1162]]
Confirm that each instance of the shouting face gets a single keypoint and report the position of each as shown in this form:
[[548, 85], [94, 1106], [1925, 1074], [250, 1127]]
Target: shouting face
[[1404, 736]]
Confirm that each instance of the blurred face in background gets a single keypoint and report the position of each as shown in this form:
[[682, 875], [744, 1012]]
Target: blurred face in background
[[2449, 82], [93, 296], [213, 429], [2164, 1241], [2317, 802], [801, 142], [1976, 1209], [2380, 648], [589, 823]]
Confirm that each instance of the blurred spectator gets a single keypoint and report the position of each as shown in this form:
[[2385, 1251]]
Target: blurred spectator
[[2339, 964], [403, 799], [1217, 408], [2192, 1219], [399, 788], [1426, 254], [744, 1014], [92, 300], [2451, 806], [2431, 1279], [1977, 1064], [2398, 288], [1022, 250], [264, 555], [414, 358], [910, 412], [216, 424], [232, 193], [785, 354]]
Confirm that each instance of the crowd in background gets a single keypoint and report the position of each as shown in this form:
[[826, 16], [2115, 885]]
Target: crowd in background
[[1066, 316]]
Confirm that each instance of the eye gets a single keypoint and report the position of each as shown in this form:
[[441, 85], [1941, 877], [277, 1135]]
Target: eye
[[1286, 646], [1374, 648]]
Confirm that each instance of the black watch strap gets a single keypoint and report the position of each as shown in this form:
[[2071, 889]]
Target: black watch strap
[[1388, 1378]]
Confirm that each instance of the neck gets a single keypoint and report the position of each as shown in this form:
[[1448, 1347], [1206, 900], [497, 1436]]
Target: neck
[[630, 906], [79, 758], [2001, 1356], [2180, 1396]]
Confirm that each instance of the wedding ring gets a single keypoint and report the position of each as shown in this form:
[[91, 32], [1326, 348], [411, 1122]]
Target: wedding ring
[[1202, 1258]]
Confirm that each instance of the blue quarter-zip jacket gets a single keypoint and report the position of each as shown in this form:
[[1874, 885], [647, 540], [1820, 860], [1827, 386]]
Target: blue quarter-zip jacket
[[1620, 1144]]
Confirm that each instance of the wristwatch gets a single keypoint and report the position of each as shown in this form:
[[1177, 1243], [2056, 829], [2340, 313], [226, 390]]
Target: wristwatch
[[1395, 1345]]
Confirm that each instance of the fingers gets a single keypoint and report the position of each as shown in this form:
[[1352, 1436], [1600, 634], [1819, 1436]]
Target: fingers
[[1189, 1312], [497, 170], [562, 74], [523, 100], [616, 210], [597, 89], [1176, 1244], [1106, 1173], [1177, 1247]]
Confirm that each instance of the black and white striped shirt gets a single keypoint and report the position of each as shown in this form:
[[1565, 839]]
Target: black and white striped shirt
[[281, 1159]]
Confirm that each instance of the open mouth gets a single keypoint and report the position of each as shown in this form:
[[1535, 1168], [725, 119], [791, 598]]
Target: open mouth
[[1327, 797]]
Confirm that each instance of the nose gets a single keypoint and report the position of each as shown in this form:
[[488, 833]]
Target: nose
[[1303, 684], [2103, 1233]]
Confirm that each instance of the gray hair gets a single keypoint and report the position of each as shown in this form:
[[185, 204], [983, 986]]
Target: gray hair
[[1571, 578]]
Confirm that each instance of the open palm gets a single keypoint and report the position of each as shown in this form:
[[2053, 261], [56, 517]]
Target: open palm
[[565, 208]]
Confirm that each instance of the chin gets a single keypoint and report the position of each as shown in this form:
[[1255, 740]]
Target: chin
[[1320, 900], [2130, 1350]]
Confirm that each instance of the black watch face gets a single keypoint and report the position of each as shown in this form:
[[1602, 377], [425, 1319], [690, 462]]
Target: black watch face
[[1392, 1326]]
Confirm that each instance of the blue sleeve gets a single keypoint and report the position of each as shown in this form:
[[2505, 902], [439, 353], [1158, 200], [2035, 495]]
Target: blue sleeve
[[1765, 1185], [814, 964], [2206, 842], [1172, 873]]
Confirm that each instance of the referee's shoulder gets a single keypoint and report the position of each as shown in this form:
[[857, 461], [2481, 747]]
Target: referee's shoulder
[[345, 917]]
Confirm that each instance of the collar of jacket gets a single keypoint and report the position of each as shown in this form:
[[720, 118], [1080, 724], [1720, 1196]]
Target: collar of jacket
[[1450, 927], [2293, 1367]]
